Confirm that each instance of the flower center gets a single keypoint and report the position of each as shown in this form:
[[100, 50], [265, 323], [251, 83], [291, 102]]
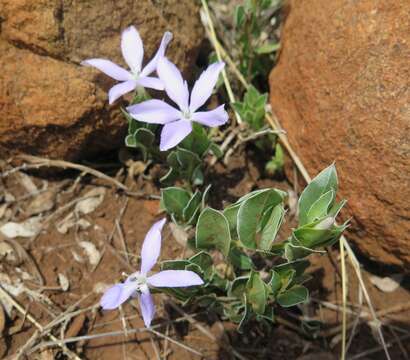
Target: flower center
[[138, 281], [187, 115], [135, 75]]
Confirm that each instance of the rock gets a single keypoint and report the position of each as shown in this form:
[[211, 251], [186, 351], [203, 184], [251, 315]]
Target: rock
[[341, 91], [51, 105]]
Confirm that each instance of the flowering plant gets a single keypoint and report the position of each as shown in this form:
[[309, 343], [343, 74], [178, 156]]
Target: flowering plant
[[133, 53], [238, 267], [138, 283]]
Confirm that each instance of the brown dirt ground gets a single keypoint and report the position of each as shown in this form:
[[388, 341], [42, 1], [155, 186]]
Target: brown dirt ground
[[52, 254]]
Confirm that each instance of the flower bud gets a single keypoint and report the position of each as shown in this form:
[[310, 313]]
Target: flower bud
[[326, 223]]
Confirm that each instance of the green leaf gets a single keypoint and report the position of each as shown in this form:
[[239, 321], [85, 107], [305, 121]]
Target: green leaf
[[296, 295], [294, 250], [170, 177], [192, 207], [145, 137], [197, 141], [174, 264], [212, 231], [197, 176], [187, 159], [231, 214], [216, 150], [275, 283], [265, 4], [252, 108], [195, 268], [334, 211], [286, 278], [268, 315], [271, 228], [310, 237], [256, 293], [237, 287], [203, 260], [246, 315], [321, 184], [219, 282], [299, 266], [250, 214], [234, 312], [267, 48], [205, 196], [133, 124], [172, 159], [130, 141], [239, 259], [175, 200], [277, 162], [239, 15], [320, 207]]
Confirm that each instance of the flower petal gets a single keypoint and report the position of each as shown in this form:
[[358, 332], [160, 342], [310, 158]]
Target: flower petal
[[120, 89], [212, 118], [151, 247], [116, 295], [151, 82], [152, 65], [173, 133], [175, 87], [109, 68], [175, 278], [204, 86], [154, 112], [147, 308], [132, 48]]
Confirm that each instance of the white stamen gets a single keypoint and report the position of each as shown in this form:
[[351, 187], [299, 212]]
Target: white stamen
[[139, 281]]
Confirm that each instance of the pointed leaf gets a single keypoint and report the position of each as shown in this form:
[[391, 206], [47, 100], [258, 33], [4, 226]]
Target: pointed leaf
[[321, 184], [250, 214], [271, 229], [320, 207], [192, 206]]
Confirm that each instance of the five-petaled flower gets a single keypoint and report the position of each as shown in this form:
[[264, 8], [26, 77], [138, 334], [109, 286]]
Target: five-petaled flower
[[139, 282], [178, 121], [133, 53]]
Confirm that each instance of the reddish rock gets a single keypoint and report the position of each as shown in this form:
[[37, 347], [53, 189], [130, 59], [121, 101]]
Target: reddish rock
[[52, 106], [341, 91]]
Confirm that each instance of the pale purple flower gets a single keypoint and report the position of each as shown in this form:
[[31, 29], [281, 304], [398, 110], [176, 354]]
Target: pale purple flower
[[178, 121], [133, 54], [139, 282]]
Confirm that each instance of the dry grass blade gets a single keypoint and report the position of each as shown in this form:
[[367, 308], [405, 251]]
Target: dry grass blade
[[364, 354], [344, 299], [274, 123], [37, 162], [209, 27], [30, 318], [180, 344]]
